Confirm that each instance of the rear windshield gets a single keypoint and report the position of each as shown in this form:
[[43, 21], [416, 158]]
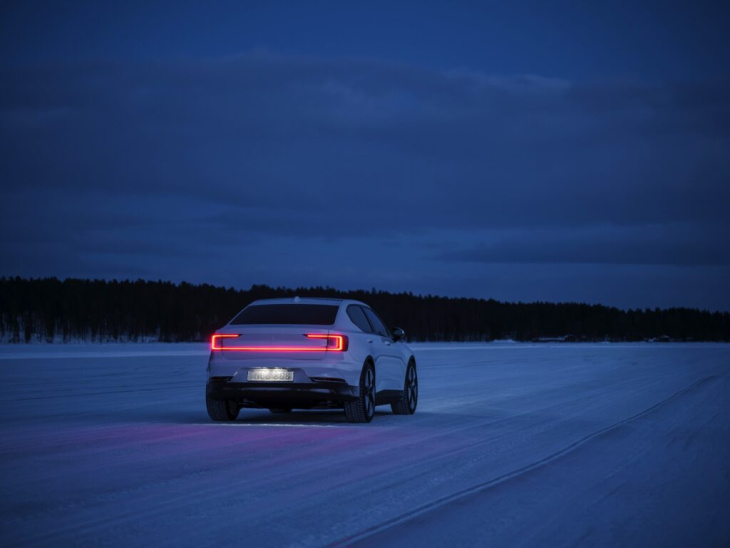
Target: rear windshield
[[303, 314]]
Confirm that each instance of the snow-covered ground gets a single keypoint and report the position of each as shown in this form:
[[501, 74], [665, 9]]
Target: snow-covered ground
[[512, 444]]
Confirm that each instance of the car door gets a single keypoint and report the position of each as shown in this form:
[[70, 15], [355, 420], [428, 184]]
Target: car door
[[389, 367]]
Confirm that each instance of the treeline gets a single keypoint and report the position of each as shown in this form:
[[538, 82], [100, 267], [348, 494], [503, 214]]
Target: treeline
[[53, 310]]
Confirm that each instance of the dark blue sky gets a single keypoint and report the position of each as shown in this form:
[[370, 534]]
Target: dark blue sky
[[555, 151]]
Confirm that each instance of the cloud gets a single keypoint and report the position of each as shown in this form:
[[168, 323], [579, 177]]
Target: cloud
[[675, 245], [260, 145]]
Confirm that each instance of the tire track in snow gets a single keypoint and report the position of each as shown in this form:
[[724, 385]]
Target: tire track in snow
[[177, 498], [202, 495], [484, 486]]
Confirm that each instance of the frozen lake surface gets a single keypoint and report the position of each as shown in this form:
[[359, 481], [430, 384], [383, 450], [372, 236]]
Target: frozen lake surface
[[512, 445]]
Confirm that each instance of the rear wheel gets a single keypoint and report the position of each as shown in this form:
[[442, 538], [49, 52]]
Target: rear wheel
[[222, 410], [363, 408], [408, 401]]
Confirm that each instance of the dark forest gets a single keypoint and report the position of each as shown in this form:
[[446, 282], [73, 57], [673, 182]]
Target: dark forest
[[49, 309]]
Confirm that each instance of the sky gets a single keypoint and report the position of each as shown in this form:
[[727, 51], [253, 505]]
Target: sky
[[522, 151]]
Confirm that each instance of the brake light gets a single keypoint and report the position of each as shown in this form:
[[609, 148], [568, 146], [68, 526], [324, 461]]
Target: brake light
[[335, 343]]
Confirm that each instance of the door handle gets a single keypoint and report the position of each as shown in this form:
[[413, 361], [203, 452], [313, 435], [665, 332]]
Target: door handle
[[370, 340]]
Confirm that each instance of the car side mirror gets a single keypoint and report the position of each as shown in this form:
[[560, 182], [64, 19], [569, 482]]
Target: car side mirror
[[398, 334]]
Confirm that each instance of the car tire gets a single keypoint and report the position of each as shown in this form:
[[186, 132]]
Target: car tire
[[363, 408], [222, 410], [407, 403], [278, 411]]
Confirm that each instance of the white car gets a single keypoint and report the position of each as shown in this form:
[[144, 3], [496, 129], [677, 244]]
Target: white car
[[285, 354]]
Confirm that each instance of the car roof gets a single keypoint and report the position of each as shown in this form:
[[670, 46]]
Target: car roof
[[306, 300]]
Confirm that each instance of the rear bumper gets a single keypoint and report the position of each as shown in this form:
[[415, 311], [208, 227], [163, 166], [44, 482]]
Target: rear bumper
[[299, 395]]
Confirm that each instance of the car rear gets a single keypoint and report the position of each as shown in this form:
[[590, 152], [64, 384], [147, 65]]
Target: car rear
[[283, 354]]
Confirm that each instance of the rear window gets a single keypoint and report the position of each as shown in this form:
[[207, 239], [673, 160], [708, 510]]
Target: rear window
[[304, 314]]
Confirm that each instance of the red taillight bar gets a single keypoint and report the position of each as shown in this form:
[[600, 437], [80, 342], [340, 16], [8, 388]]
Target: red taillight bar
[[334, 343], [216, 338]]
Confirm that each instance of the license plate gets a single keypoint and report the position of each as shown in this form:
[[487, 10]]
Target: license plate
[[270, 375]]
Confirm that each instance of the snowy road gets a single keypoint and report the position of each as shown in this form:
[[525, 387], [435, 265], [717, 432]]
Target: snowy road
[[530, 445]]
